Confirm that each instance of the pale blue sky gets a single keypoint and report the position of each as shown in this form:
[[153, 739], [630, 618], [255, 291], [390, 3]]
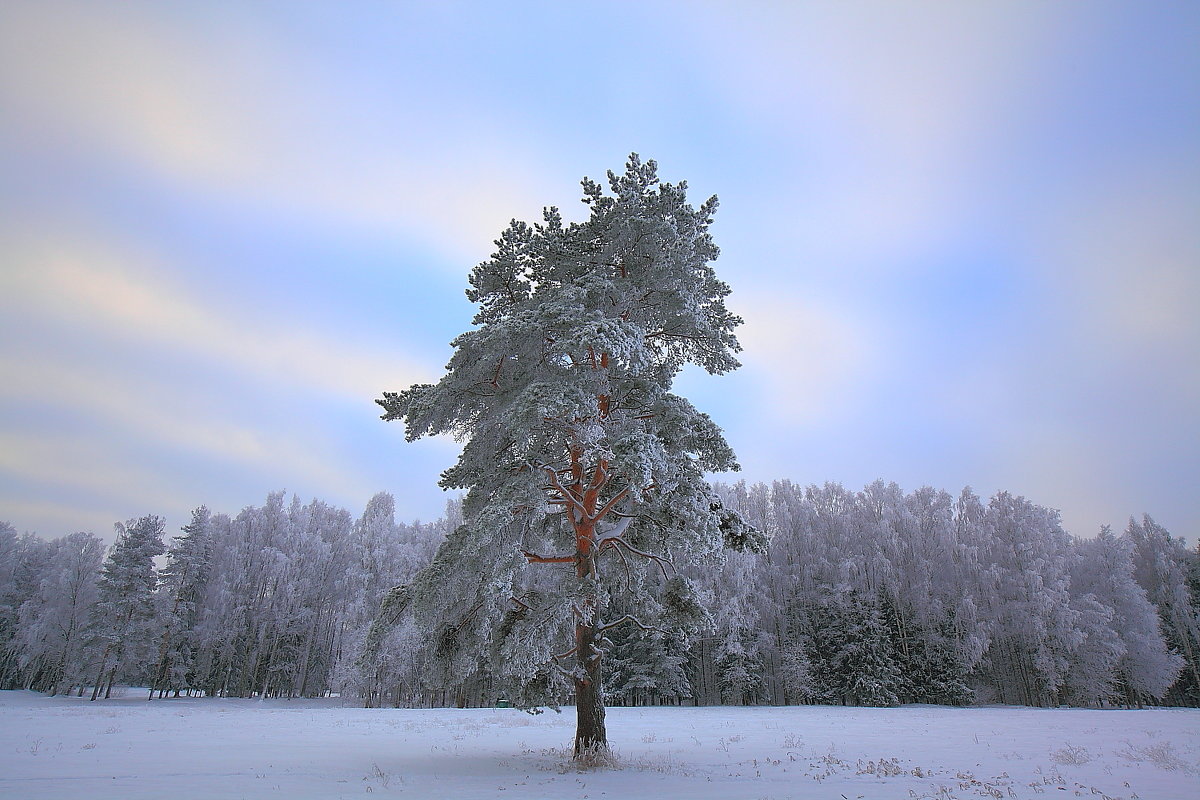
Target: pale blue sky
[[965, 237]]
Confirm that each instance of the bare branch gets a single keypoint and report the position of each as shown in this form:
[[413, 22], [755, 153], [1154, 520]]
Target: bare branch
[[625, 562], [570, 652], [663, 563]]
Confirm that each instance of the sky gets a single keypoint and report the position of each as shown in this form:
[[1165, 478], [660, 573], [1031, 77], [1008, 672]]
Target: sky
[[965, 238]]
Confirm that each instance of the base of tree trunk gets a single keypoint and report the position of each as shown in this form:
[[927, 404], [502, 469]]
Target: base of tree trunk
[[591, 737]]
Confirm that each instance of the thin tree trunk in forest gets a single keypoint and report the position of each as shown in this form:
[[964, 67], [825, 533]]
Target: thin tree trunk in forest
[[112, 674], [266, 668], [308, 648], [247, 678], [100, 673], [163, 661], [61, 669]]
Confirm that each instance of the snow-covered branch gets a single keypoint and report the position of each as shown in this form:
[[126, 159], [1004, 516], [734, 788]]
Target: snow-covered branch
[[663, 563], [630, 619]]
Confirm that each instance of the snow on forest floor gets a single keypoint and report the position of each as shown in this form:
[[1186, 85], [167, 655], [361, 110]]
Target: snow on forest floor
[[60, 747]]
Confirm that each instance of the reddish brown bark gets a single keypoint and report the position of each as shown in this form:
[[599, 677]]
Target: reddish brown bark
[[581, 502]]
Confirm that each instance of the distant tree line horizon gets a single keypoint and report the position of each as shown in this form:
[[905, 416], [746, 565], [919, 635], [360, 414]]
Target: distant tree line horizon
[[873, 597]]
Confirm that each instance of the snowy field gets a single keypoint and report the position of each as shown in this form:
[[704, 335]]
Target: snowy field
[[208, 748]]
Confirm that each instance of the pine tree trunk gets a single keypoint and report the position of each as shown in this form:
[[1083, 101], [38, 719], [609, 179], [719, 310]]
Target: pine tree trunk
[[591, 738], [590, 734]]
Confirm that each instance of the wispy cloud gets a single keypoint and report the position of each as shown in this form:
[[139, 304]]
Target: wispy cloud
[[57, 518], [62, 465], [132, 409], [215, 109], [114, 291], [1126, 261], [254, 405], [885, 120], [807, 356]]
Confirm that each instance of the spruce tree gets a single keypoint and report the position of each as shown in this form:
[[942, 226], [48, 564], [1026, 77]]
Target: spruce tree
[[642, 666], [578, 460], [122, 619], [867, 656], [189, 561]]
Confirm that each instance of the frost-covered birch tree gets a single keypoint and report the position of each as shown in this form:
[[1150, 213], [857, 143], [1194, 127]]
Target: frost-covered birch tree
[[1033, 624], [52, 623], [1141, 666], [16, 586], [578, 460]]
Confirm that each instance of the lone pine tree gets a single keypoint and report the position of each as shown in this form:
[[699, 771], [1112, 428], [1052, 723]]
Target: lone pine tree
[[584, 474]]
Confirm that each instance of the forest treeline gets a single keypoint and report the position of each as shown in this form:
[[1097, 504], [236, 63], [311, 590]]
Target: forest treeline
[[872, 597]]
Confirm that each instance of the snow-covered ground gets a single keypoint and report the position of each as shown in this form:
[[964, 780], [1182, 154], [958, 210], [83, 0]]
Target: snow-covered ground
[[209, 748]]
